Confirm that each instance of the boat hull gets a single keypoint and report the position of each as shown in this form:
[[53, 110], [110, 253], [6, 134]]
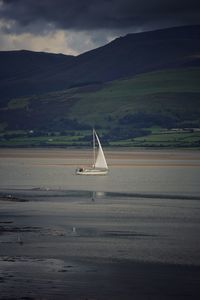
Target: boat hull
[[92, 171]]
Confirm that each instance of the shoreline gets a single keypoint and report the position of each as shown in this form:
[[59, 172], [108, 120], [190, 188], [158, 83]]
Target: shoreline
[[117, 153]]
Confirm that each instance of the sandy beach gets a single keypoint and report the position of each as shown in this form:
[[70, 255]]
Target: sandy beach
[[133, 234], [122, 153]]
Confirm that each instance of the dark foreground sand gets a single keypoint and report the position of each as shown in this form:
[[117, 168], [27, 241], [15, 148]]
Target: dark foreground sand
[[30, 278], [76, 247]]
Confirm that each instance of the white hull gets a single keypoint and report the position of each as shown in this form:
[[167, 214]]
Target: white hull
[[91, 171]]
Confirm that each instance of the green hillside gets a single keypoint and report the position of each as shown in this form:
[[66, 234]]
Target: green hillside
[[139, 111], [169, 92]]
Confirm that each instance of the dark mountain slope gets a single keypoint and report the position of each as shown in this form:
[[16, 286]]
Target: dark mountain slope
[[27, 63], [163, 98], [135, 54], [25, 73], [142, 52]]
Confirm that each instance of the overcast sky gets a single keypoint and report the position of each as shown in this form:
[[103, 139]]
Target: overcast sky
[[75, 26]]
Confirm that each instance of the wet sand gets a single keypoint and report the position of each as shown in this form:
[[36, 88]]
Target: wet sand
[[65, 279], [81, 245]]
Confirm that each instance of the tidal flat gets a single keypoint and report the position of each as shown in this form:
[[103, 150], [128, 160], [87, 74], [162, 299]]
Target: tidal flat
[[133, 234]]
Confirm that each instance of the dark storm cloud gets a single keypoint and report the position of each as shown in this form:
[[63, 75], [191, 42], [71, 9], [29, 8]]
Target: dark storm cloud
[[76, 26], [99, 14]]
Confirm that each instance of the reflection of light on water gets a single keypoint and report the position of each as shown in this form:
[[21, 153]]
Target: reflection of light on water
[[74, 232], [96, 195], [100, 194]]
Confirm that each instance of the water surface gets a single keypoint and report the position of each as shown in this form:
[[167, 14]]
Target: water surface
[[133, 234]]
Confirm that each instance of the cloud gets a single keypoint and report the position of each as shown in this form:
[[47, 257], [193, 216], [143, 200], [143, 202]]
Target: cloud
[[74, 26], [95, 14], [56, 41]]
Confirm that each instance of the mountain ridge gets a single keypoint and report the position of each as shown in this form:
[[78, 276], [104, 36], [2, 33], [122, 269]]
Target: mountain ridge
[[121, 58]]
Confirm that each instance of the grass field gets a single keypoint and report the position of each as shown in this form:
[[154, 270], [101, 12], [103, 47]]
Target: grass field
[[157, 138], [42, 141], [160, 139]]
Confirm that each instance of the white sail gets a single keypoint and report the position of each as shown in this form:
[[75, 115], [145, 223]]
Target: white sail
[[99, 166], [100, 160]]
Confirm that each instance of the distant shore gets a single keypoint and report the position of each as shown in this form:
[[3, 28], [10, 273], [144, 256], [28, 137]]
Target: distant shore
[[118, 152]]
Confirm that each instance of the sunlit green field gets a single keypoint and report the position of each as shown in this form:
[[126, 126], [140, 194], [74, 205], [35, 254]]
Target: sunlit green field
[[157, 138], [171, 139]]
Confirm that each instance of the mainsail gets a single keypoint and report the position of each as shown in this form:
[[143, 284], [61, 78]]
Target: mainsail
[[100, 160]]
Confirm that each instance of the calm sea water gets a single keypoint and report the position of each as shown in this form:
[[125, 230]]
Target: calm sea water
[[137, 176]]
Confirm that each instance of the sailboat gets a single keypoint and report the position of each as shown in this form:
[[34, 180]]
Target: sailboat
[[99, 166]]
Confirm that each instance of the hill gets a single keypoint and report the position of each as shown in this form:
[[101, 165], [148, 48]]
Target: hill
[[173, 93], [25, 73]]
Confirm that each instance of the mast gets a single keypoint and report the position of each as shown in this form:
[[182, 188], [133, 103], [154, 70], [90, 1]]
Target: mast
[[93, 147]]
